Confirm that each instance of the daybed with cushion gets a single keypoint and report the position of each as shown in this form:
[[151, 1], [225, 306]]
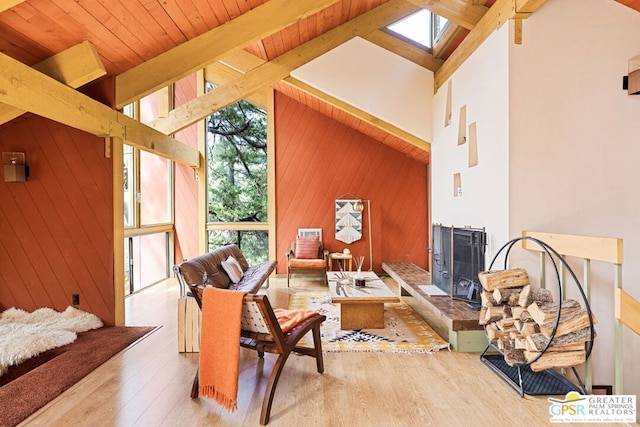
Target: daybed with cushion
[[217, 269]]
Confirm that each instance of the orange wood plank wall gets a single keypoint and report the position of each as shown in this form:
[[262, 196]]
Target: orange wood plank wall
[[319, 160], [56, 229]]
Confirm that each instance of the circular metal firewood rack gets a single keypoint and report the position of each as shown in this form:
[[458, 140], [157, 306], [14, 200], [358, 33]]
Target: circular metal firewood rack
[[520, 376]]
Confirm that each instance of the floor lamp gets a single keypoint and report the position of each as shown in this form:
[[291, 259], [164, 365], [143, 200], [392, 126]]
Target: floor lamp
[[359, 206]]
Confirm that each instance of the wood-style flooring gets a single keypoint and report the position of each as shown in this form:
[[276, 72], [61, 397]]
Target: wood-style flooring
[[149, 383]]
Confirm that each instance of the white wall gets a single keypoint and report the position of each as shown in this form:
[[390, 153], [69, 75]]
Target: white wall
[[376, 81], [482, 85], [575, 145]]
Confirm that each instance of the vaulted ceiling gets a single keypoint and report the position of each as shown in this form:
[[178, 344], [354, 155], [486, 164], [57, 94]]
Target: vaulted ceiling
[[243, 46]]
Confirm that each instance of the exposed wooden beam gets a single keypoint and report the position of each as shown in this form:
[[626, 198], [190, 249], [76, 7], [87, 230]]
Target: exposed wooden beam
[[74, 67], [499, 13], [27, 89], [195, 54], [220, 74], [460, 12], [280, 67], [406, 50], [242, 61], [8, 4], [360, 114], [528, 6]]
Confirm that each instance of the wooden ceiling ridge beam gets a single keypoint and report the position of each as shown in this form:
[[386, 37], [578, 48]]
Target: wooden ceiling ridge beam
[[209, 47], [27, 89], [360, 114], [460, 12], [76, 66], [280, 67], [499, 13]]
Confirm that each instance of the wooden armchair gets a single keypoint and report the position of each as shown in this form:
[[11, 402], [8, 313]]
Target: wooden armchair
[[261, 331], [307, 256]]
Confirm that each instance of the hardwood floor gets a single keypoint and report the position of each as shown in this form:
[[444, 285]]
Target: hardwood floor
[[149, 383]]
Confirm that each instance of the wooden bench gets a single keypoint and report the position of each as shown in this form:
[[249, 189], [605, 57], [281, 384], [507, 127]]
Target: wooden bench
[[452, 319]]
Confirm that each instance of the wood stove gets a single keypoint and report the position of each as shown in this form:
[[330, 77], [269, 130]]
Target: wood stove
[[458, 257]]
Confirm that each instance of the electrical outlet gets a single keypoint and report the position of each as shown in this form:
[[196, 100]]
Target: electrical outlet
[[75, 298]]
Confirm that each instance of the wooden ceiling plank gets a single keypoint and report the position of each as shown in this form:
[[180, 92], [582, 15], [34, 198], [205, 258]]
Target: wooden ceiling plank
[[74, 67], [8, 4], [280, 67], [111, 17], [29, 90], [460, 12], [168, 25], [211, 46], [179, 17], [360, 114], [208, 16], [406, 50], [50, 32], [73, 16]]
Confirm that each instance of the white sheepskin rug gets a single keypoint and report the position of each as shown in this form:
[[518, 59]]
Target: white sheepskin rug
[[24, 335]]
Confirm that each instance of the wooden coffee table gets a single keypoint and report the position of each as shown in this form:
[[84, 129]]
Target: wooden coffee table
[[361, 307]]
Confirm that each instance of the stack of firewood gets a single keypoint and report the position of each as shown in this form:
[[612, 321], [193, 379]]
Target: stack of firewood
[[519, 319]]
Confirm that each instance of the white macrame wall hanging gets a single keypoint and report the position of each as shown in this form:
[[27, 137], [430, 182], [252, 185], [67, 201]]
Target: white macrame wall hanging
[[348, 221]]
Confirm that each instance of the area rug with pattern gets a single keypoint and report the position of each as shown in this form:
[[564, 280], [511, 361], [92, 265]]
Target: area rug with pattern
[[404, 331]]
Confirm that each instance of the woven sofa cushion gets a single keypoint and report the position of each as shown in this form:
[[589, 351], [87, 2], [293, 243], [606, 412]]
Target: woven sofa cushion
[[307, 263], [307, 247]]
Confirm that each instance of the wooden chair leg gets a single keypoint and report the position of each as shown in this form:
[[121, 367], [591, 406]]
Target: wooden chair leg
[[271, 388], [195, 386], [317, 345], [288, 277]]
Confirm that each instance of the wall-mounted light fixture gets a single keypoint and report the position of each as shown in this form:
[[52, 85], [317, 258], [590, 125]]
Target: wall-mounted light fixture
[[15, 167], [631, 83]]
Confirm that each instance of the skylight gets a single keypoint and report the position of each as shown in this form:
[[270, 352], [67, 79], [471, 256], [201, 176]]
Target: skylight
[[421, 27]]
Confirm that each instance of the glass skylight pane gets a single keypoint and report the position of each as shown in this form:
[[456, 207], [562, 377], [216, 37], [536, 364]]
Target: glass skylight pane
[[416, 27], [438, 26]]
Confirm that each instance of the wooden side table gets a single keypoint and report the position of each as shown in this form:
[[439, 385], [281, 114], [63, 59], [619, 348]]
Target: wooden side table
[[340, 257]]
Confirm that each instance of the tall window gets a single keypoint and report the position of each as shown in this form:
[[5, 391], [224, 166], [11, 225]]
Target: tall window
[[148, 208], [237, 179]]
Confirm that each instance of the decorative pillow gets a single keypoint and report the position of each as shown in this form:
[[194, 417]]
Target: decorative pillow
[[307, 247], [233, 269]]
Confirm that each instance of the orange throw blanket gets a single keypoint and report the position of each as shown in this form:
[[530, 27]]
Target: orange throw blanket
[[220, 345], [289, 319]]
